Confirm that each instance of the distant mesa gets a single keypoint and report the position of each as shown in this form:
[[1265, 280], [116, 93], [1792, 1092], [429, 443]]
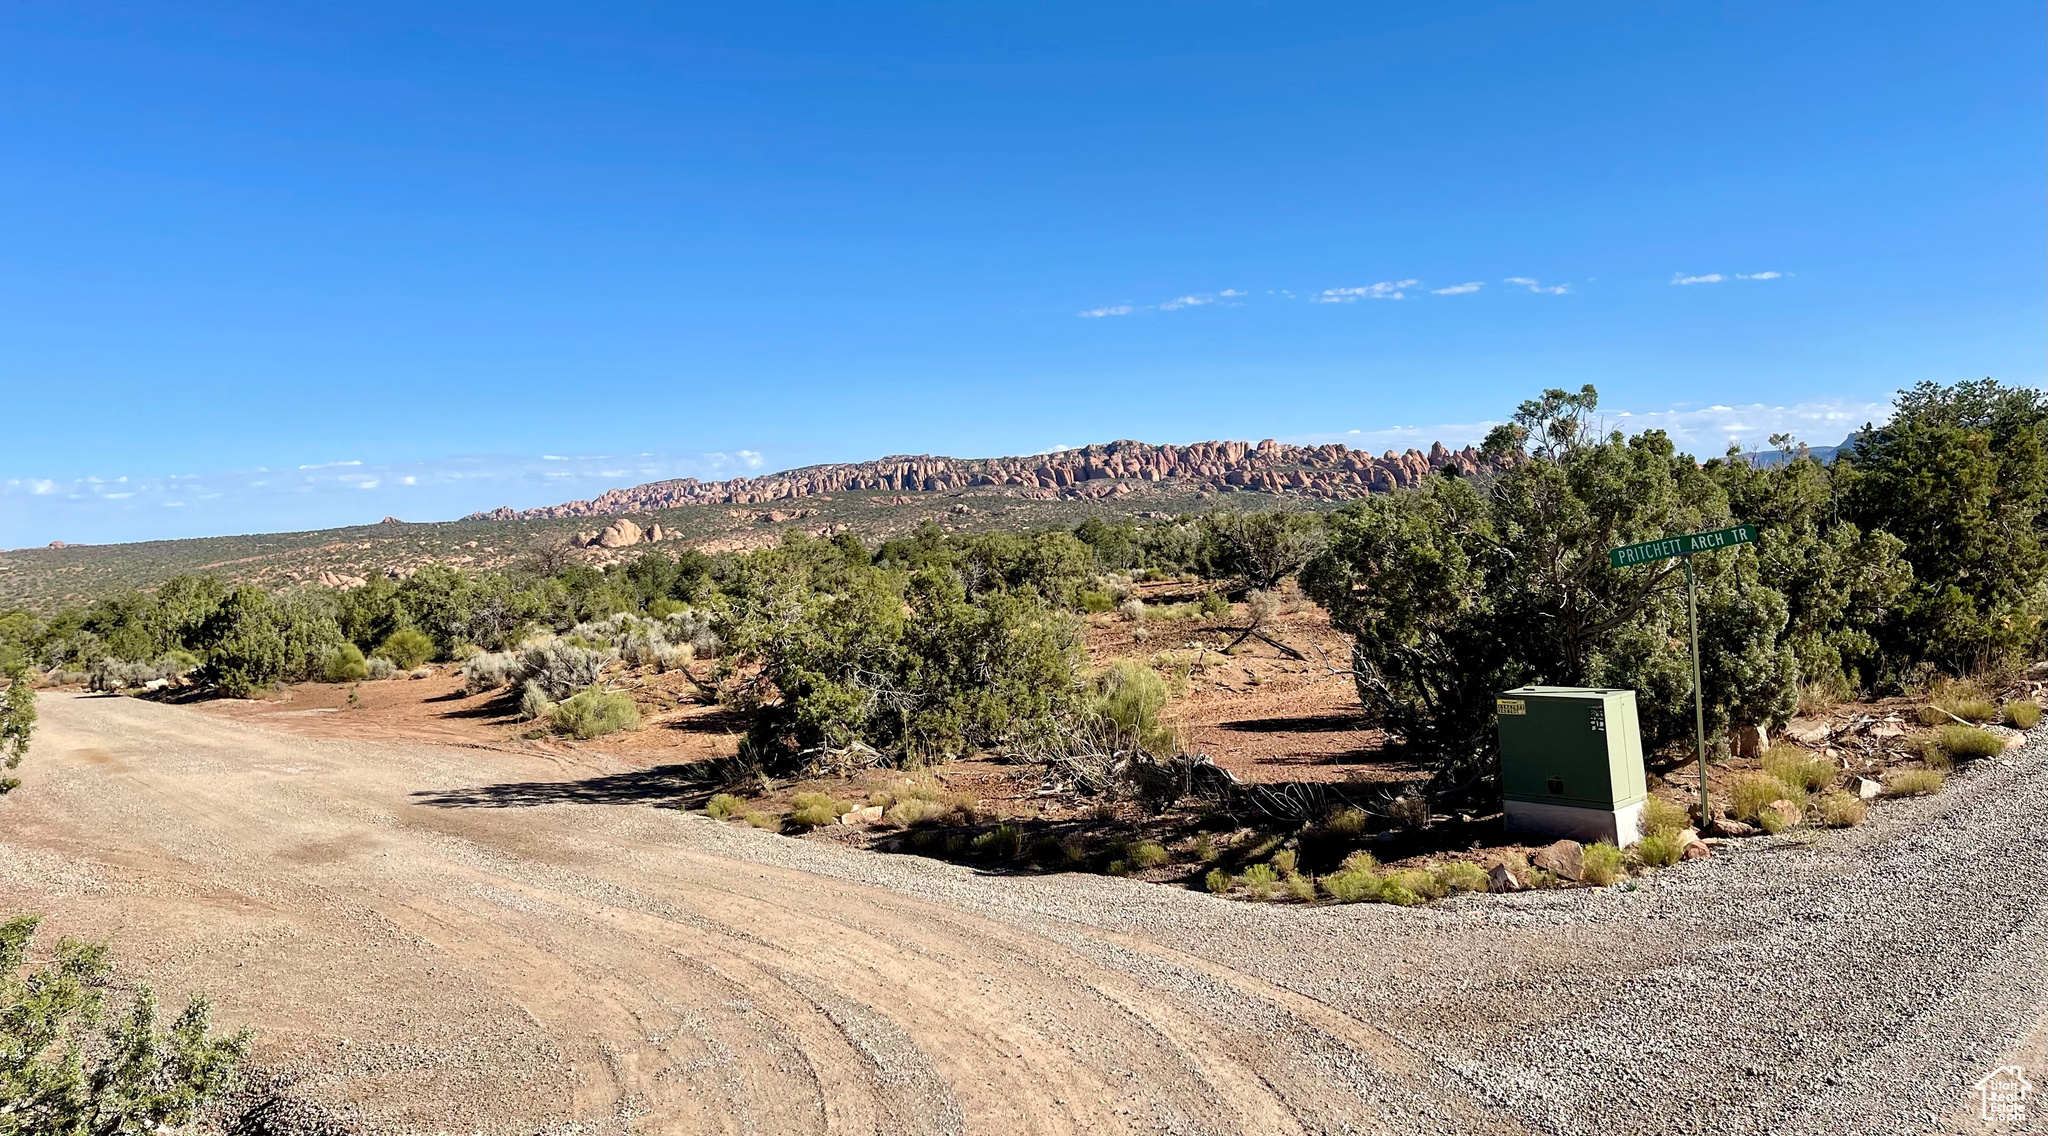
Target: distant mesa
[[391, 521], [1117, 469], [58, 544]]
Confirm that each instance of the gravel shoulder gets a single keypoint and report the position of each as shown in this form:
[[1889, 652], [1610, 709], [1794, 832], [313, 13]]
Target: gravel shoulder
[[607, 967]]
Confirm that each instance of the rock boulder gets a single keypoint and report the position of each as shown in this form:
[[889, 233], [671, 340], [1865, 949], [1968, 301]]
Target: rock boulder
[[1566, 858], [619, 534]]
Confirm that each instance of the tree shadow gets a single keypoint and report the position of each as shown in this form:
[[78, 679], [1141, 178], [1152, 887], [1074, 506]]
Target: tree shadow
[[684, 785], [503, 704], [724, 720], [1309, 724]]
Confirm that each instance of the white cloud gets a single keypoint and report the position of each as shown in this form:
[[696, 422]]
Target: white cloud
[[1535, 285], [1703, 431], [1231, 292], [1384, 290], [1098, 313], [34, 511], [1180, 302], [1716, 277], [1458, 289]]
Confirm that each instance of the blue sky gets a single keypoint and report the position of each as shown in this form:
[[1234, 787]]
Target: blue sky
[[514, 254]]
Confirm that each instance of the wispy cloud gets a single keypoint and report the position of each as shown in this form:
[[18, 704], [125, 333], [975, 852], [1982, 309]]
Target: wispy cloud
[[1535, 285], [1458, 289], [1384, 290], [35, 510], [1716, 277], [1227, 296], [1704, 431]]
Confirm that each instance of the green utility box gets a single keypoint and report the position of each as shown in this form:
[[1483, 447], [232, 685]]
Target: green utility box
[[1571, 762]]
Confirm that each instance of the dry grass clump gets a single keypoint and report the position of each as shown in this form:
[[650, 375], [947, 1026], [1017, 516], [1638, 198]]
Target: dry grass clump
[[1604, 864], [816, 810], [1146, 854], [2022, 715], [1795, 766], [1408, 811], [1974, 709], [1662, 848], [1460, 875], [1752, 793], [1326, 840], [1914, 782], [1935, 756], [723, 805], [1774, 821], [1002, 842], [1660, 814], [1962, 743], [1352, 887], [1401, 888], [594, 713], [1219, 881], [920, 802], [1818, 698], [1260, 880], [1946, 692], [1046, 851], [914, 811], [1842, 810], [1356, 881], [1423, 881]]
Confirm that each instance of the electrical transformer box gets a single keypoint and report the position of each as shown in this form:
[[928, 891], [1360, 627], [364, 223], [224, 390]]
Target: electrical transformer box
[[1571, 762]]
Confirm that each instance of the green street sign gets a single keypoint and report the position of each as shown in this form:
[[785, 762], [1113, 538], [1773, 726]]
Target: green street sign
[[1632, 554], [1652, 550]]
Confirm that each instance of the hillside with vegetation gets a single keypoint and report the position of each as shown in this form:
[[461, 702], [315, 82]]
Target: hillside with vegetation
[[1917, 552], [873, 500]]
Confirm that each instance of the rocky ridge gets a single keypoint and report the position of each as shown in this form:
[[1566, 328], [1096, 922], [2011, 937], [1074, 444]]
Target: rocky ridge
[[1115, 469]]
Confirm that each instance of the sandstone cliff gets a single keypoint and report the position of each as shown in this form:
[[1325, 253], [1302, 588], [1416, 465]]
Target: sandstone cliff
[[1117, 468]]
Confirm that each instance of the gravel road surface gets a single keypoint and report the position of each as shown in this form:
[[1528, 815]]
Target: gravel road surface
[[576, 963]]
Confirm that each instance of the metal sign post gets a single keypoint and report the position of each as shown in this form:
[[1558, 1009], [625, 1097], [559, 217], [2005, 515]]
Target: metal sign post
[[1630, 555]]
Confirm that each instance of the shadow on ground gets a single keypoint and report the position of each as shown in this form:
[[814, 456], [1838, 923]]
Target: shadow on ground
[[686, 785]]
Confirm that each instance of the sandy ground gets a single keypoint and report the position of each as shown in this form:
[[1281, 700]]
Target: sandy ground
[[584, 962]]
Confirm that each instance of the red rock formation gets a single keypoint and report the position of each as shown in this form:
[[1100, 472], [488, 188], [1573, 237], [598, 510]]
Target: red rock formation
[[1332, 471]]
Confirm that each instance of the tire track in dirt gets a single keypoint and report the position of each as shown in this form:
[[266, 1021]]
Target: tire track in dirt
[[615, 968]]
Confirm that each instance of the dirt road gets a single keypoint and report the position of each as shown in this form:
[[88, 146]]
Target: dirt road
[[438, 939]]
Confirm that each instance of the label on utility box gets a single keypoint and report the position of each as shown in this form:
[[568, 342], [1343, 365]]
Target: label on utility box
[[1510, 706]]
